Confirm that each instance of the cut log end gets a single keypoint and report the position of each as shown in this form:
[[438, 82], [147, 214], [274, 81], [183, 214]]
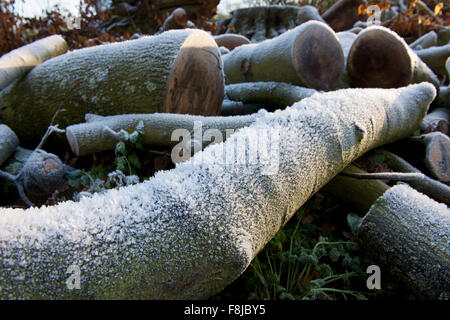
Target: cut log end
[[196, 84], [316, 68], [378, 59]]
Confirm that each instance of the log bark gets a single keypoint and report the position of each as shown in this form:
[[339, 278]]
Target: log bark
[[231, 41], [427, 40], [379, 58], [8, 142], [432, 188], [274, 93], [188, 232], [435, 58], [260, 23], [346, 40], [437, 120], [18, 62], [408, 234], [343, 14], [309, 55], [179, 71], [177, 20]]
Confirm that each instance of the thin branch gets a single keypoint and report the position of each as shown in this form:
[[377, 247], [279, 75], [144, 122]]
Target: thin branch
[[386, 176]]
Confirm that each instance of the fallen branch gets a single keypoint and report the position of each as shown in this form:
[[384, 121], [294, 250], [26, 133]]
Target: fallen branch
[[309, 55], [435, 58], [177, 20], [18, 62], [408, 234], [400, 176], [8, 143], [188, 232], [379, 58], [231, 41], [150, 74], [427, 40], [432, 188]]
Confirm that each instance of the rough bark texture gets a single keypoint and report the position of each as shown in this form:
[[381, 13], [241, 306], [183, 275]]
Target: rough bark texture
[[309, 55], [427, 40], [343, 14], [260, 23], [408, 233], [231, 41], [18, 62], [435, 58], [151, 74], [188, 232], [379, 58], [8, 142]]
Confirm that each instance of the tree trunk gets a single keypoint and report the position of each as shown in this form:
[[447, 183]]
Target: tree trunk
[[309, 55], [260, 23], [18, 62], [408, 234], [179, 71], [8, 142], [343, 14], [188, 232], [379, 58]]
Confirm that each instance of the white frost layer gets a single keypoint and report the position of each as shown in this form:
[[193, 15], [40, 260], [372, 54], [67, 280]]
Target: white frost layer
[[188, 232]]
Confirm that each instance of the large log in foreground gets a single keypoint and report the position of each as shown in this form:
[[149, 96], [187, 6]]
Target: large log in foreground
[[188, 232], [179, 71], [18, 62], [409, 233], [309, 55], [379, 58]]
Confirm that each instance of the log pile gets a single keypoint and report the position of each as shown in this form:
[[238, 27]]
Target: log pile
[[190, 231]]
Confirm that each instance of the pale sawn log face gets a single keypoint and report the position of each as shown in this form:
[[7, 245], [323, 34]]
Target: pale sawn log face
[[128, 77], [188, 232]]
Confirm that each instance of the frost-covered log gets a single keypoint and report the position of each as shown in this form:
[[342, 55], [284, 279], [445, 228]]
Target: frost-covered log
[[36, 174], [343, 14], [309, 55], [408, 233], [275, 93], [435, 58], [8, 142], [91, 137], [188, 232], [427, 40], [230, 40], [260, 23], [437, 120], [18, 62], [179, 71], [380, 58]]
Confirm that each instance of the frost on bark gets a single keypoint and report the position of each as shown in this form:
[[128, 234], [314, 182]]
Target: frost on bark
[[379, 58], [8, 142], [188, 232], [309, 55], [260, 23], [18, 62], [408, 233], [427, 40], [179, 71], [435, 58]]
